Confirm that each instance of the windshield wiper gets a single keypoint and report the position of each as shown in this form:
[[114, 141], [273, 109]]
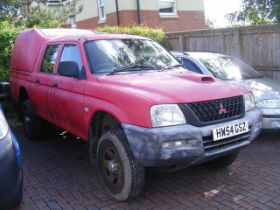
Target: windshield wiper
[[134, 67], [172, 67]]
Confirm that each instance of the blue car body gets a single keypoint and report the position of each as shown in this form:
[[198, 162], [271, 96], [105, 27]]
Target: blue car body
[[11, 175]]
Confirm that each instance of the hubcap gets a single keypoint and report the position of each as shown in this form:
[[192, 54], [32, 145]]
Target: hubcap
[[112, 166], [26, 119], [26, 122]]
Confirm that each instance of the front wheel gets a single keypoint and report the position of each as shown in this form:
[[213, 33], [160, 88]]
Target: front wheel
[[223, 161], [121, 176]]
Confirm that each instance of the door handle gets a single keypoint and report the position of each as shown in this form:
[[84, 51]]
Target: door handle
[[55, 84], [37, 81]]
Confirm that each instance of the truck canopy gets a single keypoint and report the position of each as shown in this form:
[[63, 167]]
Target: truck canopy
[[29, 42]]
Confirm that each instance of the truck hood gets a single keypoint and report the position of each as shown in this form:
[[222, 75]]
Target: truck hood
[[262, 88], [172, 87]]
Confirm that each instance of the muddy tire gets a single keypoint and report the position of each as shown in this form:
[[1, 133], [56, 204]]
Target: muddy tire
[[224, 161], [32, 124], [121, 176]]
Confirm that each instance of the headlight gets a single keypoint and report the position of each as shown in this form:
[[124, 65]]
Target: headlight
[[269, 104], [250, 103], [3, 125], [166, 115]]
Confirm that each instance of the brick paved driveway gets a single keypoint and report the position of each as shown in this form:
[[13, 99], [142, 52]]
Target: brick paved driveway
[[58, 176]]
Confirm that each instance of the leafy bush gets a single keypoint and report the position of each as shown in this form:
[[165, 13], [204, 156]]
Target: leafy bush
[[156, 34], [8, 34]]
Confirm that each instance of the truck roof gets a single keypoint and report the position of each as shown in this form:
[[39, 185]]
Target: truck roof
[[64, 34], [30, 41]]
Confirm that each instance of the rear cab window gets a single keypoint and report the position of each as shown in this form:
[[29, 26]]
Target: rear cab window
[[49, 59]]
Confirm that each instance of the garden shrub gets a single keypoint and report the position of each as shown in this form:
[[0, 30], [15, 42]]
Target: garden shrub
[[8, 34], [156, 34]]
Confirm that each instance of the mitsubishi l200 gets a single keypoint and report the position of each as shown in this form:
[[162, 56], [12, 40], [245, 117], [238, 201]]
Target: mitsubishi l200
[[131, 101]]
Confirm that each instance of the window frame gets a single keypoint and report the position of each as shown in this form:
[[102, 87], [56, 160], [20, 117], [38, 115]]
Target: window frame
[[101, 4], [166, 14], [56, 59], [81, 57]]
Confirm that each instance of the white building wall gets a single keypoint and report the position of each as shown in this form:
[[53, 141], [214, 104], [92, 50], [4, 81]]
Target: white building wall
[[91, 9]]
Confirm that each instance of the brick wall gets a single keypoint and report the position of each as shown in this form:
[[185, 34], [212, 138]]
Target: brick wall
[[187, 20]]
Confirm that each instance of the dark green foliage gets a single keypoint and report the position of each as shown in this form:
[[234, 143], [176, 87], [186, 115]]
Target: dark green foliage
[[257, 12]]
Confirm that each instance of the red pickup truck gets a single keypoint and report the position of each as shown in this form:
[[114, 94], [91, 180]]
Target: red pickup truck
[[131, 100]]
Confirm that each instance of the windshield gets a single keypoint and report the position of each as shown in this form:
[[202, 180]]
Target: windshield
[[105, 56], [228, 68]]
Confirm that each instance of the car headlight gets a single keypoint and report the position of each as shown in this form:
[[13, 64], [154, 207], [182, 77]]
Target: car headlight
[[269, 103], [4, 128], [250, 103], [167, 115]]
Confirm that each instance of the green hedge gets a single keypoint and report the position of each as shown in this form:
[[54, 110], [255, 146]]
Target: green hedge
[[8, 34], [156, 34]]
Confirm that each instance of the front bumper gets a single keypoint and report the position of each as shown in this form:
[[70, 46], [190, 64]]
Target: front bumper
[[11, 175], [146, 143], [271, 119]]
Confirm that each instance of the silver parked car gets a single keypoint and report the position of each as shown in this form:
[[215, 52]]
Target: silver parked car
[[266, 91]]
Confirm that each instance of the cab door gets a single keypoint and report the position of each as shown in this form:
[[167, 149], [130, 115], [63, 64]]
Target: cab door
[[67, 93], [42, 78]]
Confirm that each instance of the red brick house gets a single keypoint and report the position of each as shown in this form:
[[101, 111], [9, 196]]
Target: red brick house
[[171, 15]]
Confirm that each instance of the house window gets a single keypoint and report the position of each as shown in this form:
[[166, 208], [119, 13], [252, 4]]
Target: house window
[[101, 10], [167, 8], [57, 2]]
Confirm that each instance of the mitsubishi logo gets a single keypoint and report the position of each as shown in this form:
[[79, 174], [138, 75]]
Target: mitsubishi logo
[[222, 110]]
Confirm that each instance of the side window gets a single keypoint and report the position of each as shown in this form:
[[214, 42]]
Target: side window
[[49, 59], [71, 52], [191, 66]]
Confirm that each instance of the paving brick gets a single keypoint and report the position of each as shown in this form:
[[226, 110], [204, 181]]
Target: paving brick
[[58, 176]]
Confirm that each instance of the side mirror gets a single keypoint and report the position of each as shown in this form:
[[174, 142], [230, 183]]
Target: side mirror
[[4, 91], [69, 69]]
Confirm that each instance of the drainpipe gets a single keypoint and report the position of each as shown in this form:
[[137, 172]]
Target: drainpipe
[[118, 12], [138, 12]]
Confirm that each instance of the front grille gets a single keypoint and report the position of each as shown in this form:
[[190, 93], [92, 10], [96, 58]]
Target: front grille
[[211, 145], [217, 110]]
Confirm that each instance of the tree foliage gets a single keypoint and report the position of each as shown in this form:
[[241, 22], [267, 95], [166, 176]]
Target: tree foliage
[[35, 13], [257, 12], [8, 34]]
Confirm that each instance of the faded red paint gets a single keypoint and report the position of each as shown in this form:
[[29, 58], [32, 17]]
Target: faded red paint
[[127, 97]]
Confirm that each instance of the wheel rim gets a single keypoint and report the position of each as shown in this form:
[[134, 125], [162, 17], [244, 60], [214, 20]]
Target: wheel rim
[[26, 121], [111, 169]]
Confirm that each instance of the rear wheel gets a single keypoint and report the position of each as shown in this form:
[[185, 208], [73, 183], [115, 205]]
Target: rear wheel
[[223, 161], [121, 176], [31, 123]]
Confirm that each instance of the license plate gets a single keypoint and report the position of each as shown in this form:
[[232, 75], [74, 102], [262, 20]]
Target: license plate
[[230, 130]]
